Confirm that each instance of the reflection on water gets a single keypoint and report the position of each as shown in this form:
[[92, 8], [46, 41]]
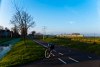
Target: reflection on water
[[1, 48], [4, 50]]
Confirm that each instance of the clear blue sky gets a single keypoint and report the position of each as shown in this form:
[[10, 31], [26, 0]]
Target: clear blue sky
[[59, 16], [0, 2]]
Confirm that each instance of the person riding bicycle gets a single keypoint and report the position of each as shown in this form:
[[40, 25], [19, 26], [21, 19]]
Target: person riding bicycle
[[49, 50], [51, 46]]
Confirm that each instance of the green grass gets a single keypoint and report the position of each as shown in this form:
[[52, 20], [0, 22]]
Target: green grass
[[20, 54], [2, 40], [76, 44], [87, 39]]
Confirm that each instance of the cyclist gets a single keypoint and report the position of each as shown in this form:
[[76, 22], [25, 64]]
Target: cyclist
[[49, 50], [51, 46]]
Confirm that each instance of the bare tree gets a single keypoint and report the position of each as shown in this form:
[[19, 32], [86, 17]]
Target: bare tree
[[23, 21], [15, 31]]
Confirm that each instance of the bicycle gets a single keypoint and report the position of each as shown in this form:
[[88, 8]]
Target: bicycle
[[49, 50], [47, 53]]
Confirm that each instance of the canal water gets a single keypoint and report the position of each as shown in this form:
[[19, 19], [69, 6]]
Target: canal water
[[5, 49]]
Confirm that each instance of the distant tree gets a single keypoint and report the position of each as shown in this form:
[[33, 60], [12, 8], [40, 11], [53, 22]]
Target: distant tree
[[1, 28], [38, 35], [33, 33], [7, 32], [15, 31], [6, 29]]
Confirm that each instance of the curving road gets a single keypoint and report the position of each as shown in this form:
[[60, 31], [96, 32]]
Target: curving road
[[62, 56]]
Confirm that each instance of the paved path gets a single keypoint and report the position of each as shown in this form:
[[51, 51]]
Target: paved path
[[63, 56]]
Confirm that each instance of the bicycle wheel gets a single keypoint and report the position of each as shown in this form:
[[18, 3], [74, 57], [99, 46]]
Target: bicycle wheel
[[47, 53]]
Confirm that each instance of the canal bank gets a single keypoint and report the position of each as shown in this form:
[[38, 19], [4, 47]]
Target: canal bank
[[6, 47]]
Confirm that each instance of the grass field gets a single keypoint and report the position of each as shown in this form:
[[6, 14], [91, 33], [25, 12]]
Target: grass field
[[88, 39], [81, 44], [4, 39], [21, 54]]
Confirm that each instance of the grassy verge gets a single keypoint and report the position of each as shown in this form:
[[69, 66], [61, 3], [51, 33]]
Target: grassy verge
[[20, 54], [82, 46], [2, 40]]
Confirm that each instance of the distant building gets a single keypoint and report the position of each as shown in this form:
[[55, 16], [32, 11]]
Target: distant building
[[5, 33], [71, 35], [8, 33]]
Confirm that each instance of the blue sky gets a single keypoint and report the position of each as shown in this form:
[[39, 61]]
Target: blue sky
[[0, 2], [59, 16]]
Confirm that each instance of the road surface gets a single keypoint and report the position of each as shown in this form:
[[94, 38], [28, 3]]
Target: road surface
[[63, 56]]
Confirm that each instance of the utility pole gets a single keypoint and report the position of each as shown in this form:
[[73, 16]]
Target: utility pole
[[94, 38], [44, 32]]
